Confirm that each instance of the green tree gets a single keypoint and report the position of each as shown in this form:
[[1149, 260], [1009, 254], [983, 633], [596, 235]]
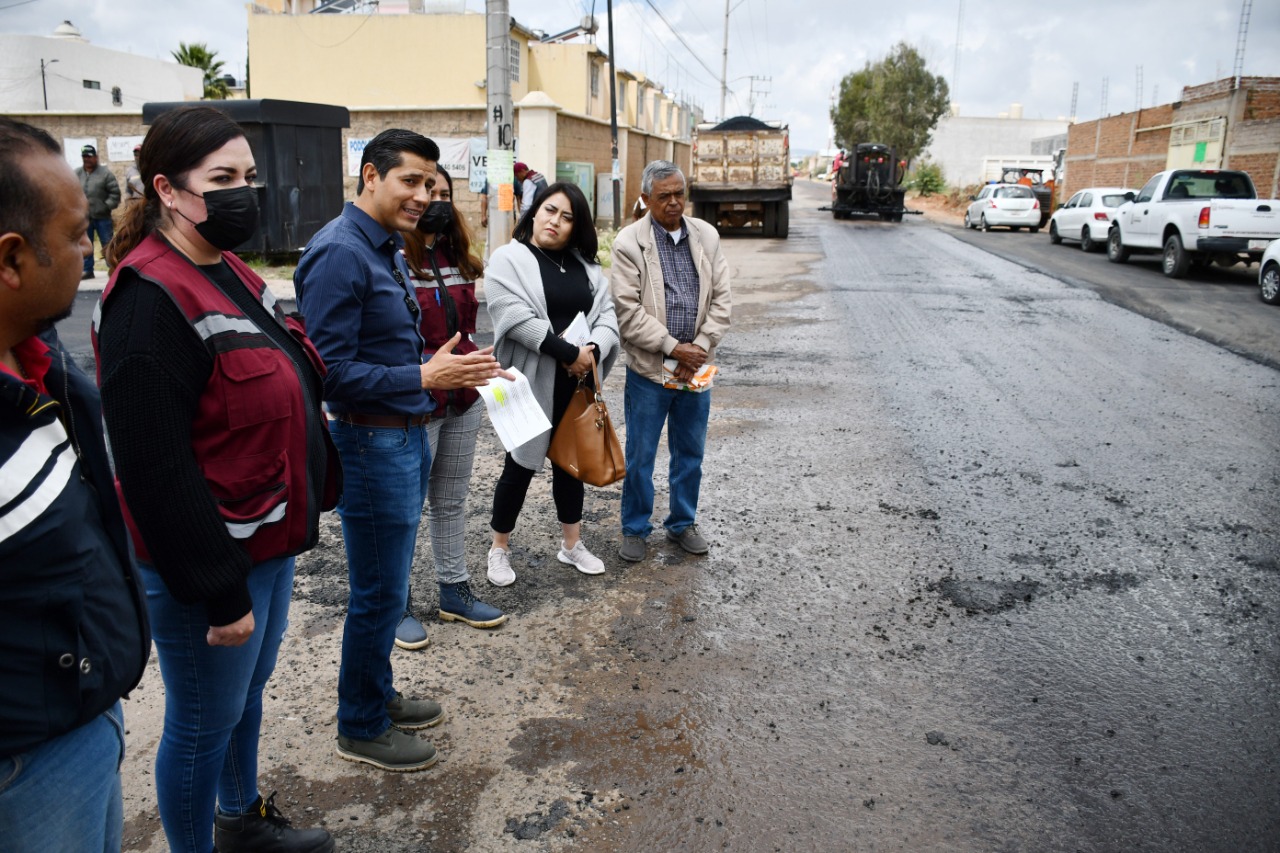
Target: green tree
[[199, 56], [895, 101]]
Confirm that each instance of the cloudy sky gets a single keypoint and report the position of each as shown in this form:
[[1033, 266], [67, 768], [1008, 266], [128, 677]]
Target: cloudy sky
[[797, 50]]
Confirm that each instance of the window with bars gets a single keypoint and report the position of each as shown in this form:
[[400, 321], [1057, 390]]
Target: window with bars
[[513, 61]]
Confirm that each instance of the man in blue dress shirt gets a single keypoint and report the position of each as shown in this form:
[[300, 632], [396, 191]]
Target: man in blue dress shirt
[[361, 313]]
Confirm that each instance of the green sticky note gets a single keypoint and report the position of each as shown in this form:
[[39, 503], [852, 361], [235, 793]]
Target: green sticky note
[[1200, 149]]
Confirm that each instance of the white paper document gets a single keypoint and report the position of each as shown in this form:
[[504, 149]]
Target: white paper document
[[513, 410], [578, 332]]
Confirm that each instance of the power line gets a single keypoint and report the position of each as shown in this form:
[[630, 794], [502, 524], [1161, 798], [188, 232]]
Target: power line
[[680, 38]]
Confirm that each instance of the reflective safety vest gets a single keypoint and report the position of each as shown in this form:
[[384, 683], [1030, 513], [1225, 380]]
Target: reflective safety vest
[[251, 426]]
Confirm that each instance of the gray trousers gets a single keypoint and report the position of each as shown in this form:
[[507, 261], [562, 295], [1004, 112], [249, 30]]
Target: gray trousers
[[453, 450]]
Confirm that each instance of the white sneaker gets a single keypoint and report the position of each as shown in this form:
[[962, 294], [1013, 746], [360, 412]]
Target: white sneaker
[[581, 559], [500, 571]]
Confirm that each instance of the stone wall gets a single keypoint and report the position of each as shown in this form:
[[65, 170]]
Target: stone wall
[[80, 125], [578, 139], [445, 124]]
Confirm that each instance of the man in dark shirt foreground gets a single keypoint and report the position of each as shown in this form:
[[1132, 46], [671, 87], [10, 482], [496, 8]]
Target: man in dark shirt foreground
[[73, 632]]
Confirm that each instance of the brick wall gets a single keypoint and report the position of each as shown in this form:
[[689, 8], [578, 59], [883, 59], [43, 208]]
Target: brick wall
[[1265, 88], [1127, 149], [1263, 102], [1264, 168], [1120, 151]]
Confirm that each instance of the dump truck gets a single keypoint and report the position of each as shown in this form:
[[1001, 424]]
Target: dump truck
[[869, 182], [741, 176]]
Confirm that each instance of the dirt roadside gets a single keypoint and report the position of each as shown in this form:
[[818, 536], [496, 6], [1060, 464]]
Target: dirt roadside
[[555, 720]]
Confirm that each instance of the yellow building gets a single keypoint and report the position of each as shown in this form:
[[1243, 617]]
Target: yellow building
[[363, 59]]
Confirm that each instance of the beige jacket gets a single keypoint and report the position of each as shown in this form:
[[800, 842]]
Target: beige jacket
[[640, 300]]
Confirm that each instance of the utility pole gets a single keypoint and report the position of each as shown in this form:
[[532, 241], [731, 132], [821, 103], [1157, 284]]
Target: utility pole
[[751, 100], [501, 120], [724, 62], [955, 68], [43, 88], [613, 125]]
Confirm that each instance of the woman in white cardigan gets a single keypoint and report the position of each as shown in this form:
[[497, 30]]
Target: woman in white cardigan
[[534, 287]]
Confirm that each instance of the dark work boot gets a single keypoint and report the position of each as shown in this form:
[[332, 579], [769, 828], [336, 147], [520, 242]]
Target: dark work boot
[[265, 830]]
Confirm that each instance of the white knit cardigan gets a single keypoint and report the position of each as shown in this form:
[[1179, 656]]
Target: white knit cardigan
[[517, 303]]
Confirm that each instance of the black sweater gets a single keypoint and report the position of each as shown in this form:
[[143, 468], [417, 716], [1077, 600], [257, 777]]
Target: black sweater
[[154, 371]]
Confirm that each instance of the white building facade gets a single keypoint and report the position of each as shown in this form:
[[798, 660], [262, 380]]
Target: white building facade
[[960, 144], [64, 73]]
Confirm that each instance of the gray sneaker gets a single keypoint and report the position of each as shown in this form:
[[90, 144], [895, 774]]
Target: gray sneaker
[[414, 714], [690, 540], [633, 549], [394, 750]]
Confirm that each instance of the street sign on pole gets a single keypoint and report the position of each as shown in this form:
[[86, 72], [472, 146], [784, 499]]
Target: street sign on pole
[[500, 118]]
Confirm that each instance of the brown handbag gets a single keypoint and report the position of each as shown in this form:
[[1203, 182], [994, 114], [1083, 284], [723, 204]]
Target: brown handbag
[[585, 444]]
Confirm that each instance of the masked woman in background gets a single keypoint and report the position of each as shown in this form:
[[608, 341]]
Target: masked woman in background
[[444, 273], [211, 398]]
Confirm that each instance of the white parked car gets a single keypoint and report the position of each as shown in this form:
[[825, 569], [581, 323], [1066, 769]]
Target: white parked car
[[1013, 206], [1087, 216], [1269, 274]]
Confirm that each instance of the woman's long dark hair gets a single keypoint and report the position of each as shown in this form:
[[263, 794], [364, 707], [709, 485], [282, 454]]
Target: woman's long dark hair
[[583, 235], [176, 143], [456, 242]]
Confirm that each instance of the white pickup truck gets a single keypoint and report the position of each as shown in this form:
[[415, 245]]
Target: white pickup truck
[[1195, 217]]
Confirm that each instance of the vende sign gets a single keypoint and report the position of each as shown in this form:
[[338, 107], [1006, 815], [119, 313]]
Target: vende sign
[[455, 155]]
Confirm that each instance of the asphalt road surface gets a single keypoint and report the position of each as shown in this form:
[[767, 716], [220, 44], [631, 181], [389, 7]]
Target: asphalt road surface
[[994, 567], [1218, 304]]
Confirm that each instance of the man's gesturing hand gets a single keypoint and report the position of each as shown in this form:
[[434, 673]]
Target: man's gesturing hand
[[445, 371]]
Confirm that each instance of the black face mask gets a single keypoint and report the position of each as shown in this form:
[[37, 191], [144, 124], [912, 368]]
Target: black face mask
[[231, 217], [437, 218]]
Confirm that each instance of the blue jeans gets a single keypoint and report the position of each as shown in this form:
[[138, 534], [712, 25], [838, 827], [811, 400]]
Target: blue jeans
[[647, 406], [212, 704], [63, 796], [385, 472], [103, 228]]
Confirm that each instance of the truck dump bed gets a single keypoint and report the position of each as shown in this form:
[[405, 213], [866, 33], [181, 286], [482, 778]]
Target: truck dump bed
[[732, 160], [742, 176]]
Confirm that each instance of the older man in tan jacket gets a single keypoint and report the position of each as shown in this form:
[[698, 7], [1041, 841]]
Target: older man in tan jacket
[[670, 285]]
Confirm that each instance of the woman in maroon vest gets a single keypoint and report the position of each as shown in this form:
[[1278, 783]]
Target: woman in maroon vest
[[211, 398]]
